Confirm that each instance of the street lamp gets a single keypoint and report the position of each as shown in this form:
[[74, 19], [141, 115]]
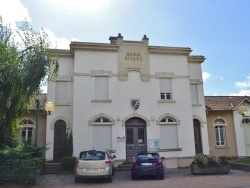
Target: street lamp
[[243, 110], [49, 107]]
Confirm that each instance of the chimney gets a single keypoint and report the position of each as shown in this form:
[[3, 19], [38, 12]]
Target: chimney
[[112, 40]]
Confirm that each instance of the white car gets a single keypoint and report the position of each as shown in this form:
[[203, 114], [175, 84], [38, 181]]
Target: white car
[[94, 164]]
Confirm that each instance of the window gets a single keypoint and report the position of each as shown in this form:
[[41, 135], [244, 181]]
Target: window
[[165, 88], [220, 132], [61, 92], [168, 134], [194, 94], [102, 134], [101, 88], [26, 133]]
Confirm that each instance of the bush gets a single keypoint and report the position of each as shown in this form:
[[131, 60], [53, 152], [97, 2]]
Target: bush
[[20, 165], [68, 163], [207, 160]]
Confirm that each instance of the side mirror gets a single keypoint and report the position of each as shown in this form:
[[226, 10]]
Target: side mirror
[[162, 158], [113, 156]]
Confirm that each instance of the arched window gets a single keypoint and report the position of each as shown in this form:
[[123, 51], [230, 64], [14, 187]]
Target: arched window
[[220, 131], [102, 134], [26, 133], [168, 133]]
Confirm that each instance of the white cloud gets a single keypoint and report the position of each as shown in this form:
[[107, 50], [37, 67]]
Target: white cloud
[[57, 42], [244, 84], [13, 11], [205, 76], [244, 87]]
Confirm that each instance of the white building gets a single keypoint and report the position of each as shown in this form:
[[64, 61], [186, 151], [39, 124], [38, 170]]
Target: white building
[[127, 96]]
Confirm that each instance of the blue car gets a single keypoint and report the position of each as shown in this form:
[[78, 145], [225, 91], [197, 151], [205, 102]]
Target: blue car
[[147, 164]]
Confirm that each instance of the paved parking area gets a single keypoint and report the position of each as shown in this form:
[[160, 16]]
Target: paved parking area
[[176, 178]]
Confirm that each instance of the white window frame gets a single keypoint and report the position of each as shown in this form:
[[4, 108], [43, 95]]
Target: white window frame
[[166, 88], [220, 131], [25, 127]]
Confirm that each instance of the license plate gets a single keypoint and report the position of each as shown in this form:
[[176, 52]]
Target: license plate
[[91, 170], [146, 164]]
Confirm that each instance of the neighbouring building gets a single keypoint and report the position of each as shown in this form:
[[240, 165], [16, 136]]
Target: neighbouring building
[[128, 96], [228, 131], [34, 123]]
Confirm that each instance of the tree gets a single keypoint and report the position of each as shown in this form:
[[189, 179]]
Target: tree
[[24, 66], [69, 145]]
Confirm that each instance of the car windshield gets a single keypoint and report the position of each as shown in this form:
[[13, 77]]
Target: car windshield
[[147, 157], [92, 155]]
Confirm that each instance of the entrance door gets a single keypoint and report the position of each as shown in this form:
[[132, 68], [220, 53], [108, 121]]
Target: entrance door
[[197, 136], [59, 140], [136, 140], [247, 138]]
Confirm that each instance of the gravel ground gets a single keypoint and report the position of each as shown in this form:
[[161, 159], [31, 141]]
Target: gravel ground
[[176, 178]]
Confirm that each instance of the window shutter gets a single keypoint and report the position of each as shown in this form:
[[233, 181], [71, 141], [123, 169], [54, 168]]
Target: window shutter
[[101, 87], [168, 137], [165, 85], [194, 94], [61, 92], [102, 137]]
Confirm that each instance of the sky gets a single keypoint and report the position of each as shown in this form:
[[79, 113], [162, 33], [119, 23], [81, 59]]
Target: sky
[[217, 29]]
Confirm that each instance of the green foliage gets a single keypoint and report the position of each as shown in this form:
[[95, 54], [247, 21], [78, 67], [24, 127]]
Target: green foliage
[[209, 160], [242, 160], [20, 165], [24, 66], [68, 163], [69, 145]]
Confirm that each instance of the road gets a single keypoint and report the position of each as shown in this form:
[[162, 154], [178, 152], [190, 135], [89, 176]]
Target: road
[[176, 178]]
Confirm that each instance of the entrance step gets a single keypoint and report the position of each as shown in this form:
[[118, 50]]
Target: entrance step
[[52, 168], [126, 166]]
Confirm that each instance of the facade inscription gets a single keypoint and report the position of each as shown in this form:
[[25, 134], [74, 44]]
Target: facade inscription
[[133, 56]]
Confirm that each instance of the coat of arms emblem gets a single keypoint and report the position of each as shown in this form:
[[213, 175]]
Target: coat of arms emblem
[[135, 103]]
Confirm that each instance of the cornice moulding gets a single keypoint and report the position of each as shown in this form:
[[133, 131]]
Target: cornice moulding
[[93, 47], [169, 50], [61, 53], [196, 59]]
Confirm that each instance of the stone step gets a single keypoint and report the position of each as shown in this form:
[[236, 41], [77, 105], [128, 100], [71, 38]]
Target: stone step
[[52, 168], [124, 167]]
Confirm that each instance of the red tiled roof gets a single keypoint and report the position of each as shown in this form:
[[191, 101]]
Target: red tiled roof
[[223, 102]]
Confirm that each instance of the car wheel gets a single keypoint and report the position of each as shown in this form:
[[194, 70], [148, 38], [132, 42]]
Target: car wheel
[[77, 180], [161, 177], [110, 179], [133, 177]]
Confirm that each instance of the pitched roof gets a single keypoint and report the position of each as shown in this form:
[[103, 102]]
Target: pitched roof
[[223, 102], [42, 100]]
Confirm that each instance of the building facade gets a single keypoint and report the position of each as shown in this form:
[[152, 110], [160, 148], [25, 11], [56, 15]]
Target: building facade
[[128, 96]]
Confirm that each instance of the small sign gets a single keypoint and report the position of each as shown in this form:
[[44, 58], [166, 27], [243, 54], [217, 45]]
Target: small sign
[[120, 139], [153, 143]]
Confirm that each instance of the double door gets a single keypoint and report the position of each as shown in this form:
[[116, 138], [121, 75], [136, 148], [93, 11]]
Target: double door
[[136, 140]]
